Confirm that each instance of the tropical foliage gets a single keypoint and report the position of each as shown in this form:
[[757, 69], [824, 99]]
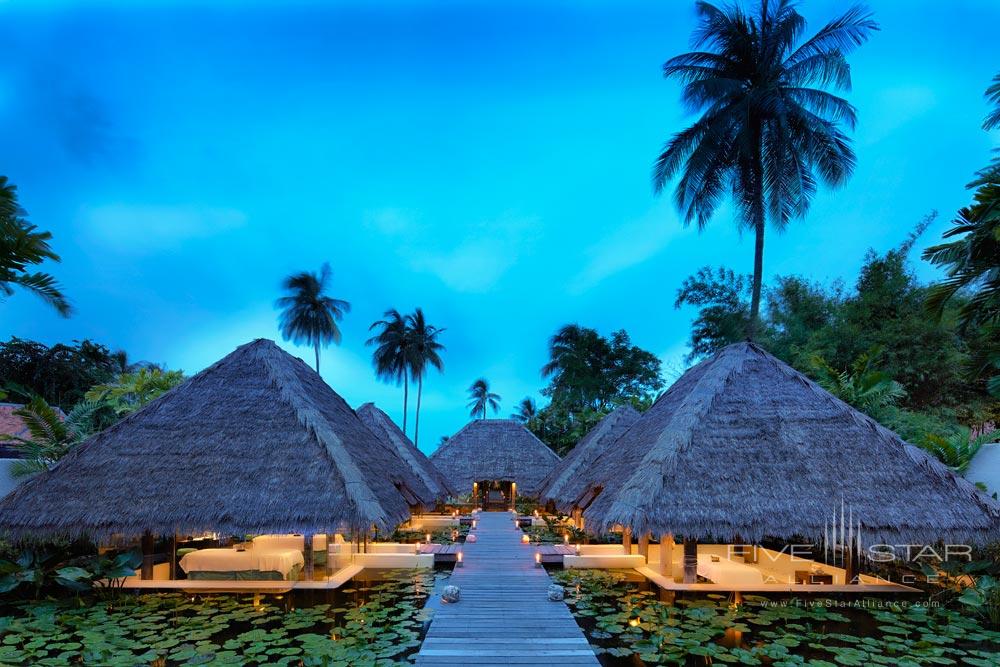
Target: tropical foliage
[[863, 385], [874, 345], [131, 391], [769, 129], [61, 374], [589, 375], [309, 315], [50, 437], [22, 247], [481, 398]]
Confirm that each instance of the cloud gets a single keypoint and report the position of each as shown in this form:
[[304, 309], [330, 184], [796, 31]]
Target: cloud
[[475, 265], [145, 228], [476, 262], [628, 245]]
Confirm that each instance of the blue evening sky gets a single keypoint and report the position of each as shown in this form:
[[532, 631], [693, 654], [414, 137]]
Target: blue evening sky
[[486, 161]]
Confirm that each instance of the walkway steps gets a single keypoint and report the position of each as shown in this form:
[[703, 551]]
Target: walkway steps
[[504, 616]]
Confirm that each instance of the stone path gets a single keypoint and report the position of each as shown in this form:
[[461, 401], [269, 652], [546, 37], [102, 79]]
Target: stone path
[[504, 616]]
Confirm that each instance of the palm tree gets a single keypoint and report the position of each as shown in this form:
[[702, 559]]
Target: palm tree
[[768, 127], [50, 436], [972, 261], [391, 357], [308, 314], [993, 95], [480, 398], [424, 352], [526, 410], [21, 246]]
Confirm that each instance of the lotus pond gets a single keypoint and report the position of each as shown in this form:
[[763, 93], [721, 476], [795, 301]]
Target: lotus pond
[[630, 626], [378, 619]]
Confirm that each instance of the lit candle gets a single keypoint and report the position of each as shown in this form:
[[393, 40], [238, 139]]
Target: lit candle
[[473, 523], [525, 539], [428, 538], [458, 559], [578, 550], [565, 538], [634, 621], [538, 559]]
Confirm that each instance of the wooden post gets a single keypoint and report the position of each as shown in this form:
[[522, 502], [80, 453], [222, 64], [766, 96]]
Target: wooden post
[[644, 547], [173, 557], [850, 567], [690, 561], [148, 543], [667, 555], [627, 540], [307, 552]]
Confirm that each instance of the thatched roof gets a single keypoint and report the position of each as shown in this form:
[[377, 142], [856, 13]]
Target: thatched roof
[[570, 479], [256, 443], [743, 446], [500, 449], [379, 423]]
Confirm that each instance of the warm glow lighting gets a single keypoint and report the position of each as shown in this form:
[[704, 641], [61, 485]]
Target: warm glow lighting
[[473, 523], [634, 621], [458, 559], [454, 535], [578, 550], [525, 539], [565, 538], [538, 558], [428, 537]]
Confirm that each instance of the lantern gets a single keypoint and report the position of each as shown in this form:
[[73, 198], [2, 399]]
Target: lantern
[[525, 538], [458, 559], [538, 559]]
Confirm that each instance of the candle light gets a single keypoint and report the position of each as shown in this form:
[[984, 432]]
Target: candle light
[[525, 538], [473, 524], [578, 550], [538, 559], [458, 559], [428, 538], [634, 622], [454, 535], [565, 538]]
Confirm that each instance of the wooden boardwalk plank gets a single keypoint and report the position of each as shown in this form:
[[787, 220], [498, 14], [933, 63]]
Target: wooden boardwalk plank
[[504, 616]]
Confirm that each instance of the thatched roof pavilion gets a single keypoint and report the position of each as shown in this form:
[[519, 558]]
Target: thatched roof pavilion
[[570, 480], [743, 446], [379, 423], [495, 449], [256, 443]]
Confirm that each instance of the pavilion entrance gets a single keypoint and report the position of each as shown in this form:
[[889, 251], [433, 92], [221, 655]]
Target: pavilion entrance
[[494, 494]]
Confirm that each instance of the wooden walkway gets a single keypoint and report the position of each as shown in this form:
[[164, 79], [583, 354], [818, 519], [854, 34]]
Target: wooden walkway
[[504, 616]]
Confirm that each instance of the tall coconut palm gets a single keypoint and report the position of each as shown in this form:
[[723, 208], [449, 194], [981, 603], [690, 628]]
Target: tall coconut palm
[[22, 246], [480, 398], [391, 357], [308, 314], [424, 353], [769, 128], [526, 410]]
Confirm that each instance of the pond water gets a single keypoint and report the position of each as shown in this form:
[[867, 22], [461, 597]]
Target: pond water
[[376, 618], [627, 625]]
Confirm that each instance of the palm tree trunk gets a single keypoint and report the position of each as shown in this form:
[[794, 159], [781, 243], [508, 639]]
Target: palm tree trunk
[[406, 399], [758, 277], [416, 424], [758, 248], [317, 357]]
